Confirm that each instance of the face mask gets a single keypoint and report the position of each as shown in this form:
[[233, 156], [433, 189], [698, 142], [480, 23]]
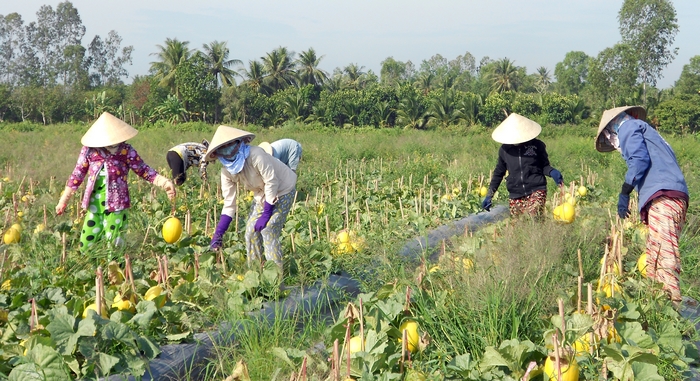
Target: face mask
[[228, 151], [235, 165]]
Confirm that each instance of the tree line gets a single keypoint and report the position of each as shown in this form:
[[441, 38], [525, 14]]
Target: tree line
[[48, 76]]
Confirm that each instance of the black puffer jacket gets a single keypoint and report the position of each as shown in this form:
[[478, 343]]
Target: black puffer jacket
[[526, 163]]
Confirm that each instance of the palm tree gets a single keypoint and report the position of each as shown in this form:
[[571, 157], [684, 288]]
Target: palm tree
[[443, 110], [255, 76], [354, 75], [279, 68], [412, 112], [543, 79], [170, 56], [216, 55], [308, 70], [504, 76], [426, 81]]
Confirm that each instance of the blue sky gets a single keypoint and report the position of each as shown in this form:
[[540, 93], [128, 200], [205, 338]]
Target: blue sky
[[533, 33]]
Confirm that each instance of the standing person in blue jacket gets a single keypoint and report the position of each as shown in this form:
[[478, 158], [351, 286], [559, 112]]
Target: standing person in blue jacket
[[287, 151], [525, 159], [652, 169]]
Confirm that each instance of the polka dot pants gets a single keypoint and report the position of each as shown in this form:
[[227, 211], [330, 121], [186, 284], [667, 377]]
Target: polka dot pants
[[101, 222]]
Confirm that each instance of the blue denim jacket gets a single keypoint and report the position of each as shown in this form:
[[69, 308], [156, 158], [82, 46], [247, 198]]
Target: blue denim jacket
[[651, 162]]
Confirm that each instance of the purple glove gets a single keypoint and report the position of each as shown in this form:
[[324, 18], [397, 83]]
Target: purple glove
[[264, 217], [224, 222]]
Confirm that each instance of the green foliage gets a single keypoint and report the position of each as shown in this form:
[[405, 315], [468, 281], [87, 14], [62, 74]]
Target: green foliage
[[572, 72], [680, 114], [198, 88], [689, 82], [494, 109]]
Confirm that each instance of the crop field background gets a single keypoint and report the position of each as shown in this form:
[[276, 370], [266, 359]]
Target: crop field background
[[484, 310]]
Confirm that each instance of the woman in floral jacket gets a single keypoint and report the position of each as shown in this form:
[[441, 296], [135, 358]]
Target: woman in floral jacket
[[104, 161]]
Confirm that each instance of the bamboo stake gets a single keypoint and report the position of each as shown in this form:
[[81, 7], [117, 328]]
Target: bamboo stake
[[206, 225], [328, 229], [98, 291], [580, 264], [63, 248], [369, 215], [560, 302], [401, 207], [336, 361], [362, 327], [311, 233], [557, 362], [580, 290]]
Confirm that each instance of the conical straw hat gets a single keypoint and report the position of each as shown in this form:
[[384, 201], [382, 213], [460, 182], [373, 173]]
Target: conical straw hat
[[516, 129], [107, 130], [601, 142], [226, 134], [267, 147]]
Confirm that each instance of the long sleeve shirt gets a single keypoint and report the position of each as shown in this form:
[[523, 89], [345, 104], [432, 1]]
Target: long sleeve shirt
[[266, 176], [287, 151], [90, 162]]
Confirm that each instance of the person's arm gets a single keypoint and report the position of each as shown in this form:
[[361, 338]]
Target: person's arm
[[264, 166], [228, 190], [547, 168], [74, 180], [498, 173], [136, 164], [635, 152], [295, 156]]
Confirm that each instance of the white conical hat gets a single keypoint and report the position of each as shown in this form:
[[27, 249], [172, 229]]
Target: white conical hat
[[601, 142], [226, 134], [106, 131], [267, 147], [516, 129]]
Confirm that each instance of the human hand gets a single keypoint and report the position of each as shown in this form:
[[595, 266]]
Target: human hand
[[63, 201], [264, 217], [486, 204], [221, 227], [167, 186], [557, 177], [623, 203]]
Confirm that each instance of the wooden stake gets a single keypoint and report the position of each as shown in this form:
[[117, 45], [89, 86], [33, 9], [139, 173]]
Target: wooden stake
[[580, 290], [63, 248], [362, 327]]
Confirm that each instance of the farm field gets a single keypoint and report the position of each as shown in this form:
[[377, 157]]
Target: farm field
[[485, 310]]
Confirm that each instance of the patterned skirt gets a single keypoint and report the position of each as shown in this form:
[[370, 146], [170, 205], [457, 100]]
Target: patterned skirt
[[666, 218], [530, 205]]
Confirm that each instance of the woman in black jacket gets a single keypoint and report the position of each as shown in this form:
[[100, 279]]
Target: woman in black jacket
[[525, 159]]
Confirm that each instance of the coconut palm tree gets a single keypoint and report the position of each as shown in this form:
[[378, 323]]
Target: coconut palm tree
[[542, 79], [279, 68], [170, 56], [255, 76], [504, 76], [216, 55], [354, 74], [411, 112], [308, 71]]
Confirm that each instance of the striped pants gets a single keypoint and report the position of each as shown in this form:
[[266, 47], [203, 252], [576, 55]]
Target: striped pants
[[268, 239], [665, 219]]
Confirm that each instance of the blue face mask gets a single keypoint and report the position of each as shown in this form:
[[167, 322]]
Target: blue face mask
[[235, 165], [228, 150]]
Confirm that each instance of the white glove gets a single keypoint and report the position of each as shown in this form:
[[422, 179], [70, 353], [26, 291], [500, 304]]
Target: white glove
[[166, 184]]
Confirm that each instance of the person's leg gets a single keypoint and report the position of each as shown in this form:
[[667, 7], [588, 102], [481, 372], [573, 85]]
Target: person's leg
[[535, 203], [253, 239], [114, 224], [271, 233], [92, 230], [666, 218], [177, 167]]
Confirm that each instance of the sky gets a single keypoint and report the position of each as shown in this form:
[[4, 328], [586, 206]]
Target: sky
[[533, 33]]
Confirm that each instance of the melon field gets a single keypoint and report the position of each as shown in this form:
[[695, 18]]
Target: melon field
[[487, 304]]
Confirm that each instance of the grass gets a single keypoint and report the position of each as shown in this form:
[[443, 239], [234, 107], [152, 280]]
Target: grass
[[520, 268]]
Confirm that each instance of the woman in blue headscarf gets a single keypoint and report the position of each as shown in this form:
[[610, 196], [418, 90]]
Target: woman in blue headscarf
[[273, 185]]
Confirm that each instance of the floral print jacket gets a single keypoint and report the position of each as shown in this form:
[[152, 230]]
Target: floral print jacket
[[90, 162]]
